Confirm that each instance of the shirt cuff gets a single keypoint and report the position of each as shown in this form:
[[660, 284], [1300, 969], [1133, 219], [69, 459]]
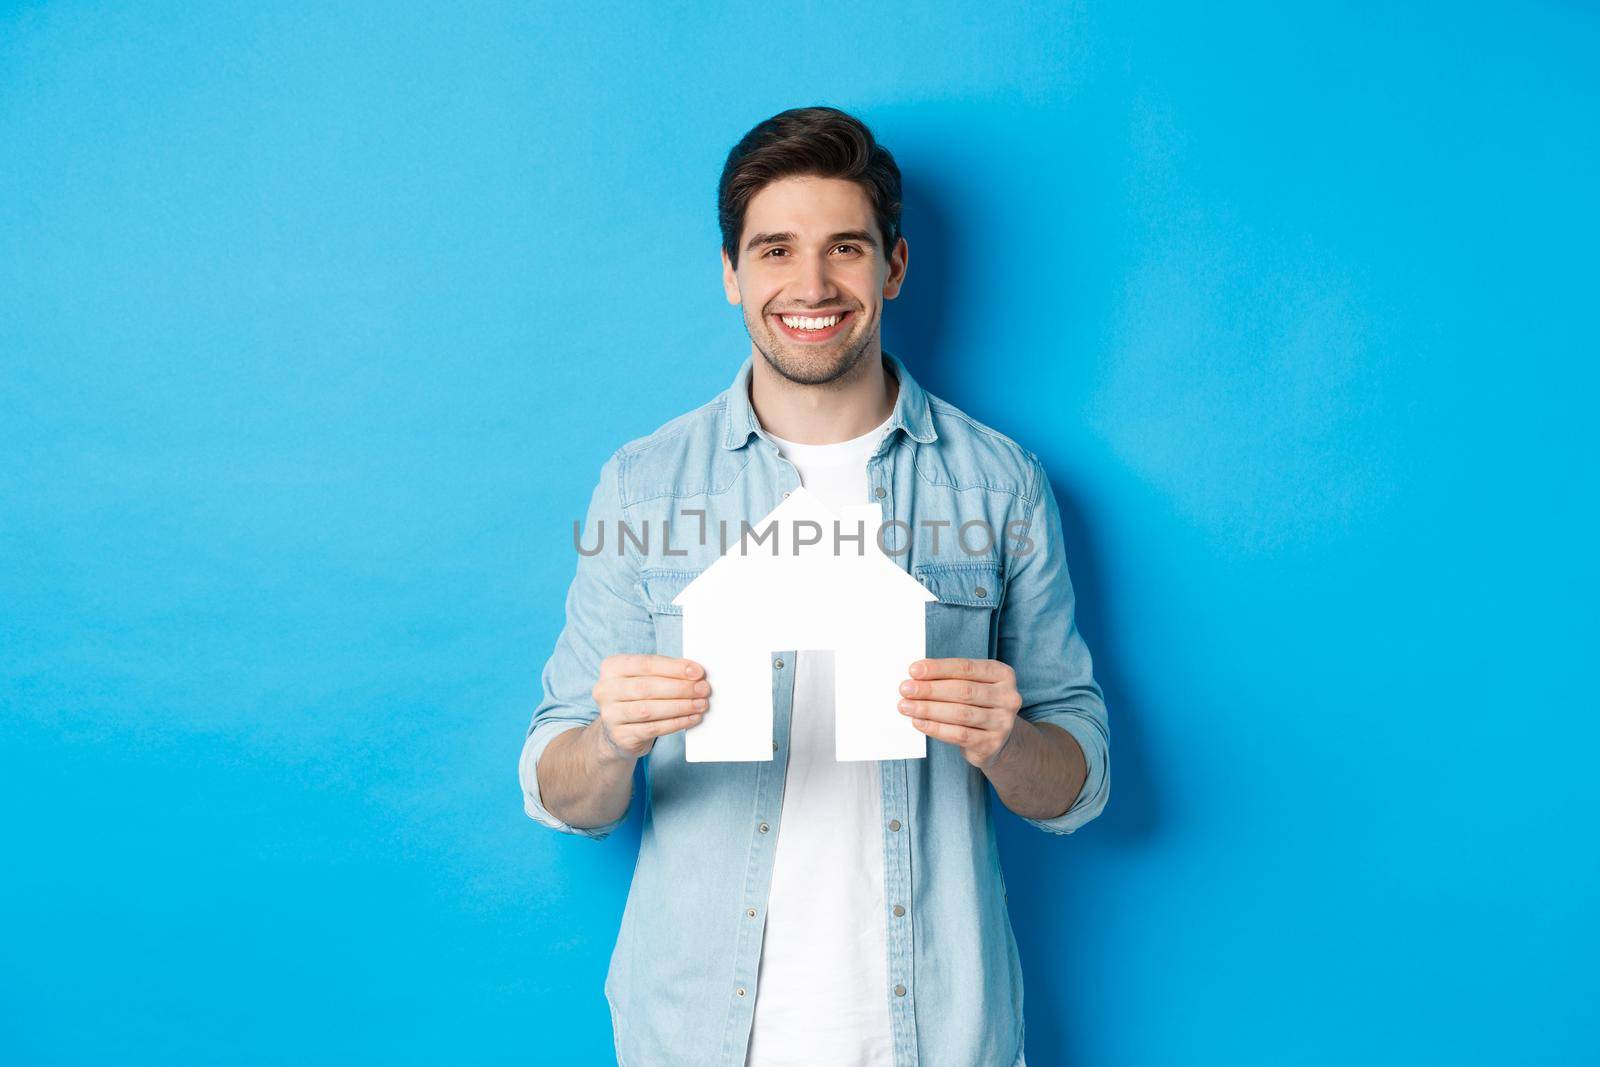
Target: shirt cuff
[[1096, 787], [539, 739]]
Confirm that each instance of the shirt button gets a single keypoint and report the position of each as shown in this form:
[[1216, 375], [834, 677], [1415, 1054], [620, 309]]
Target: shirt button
[[894, 824], [898, 910], [879, 492], [740, 991], [778, 664], [786, 494], [899, 991], [750, 912], [774, 746], [981, 592], [763, 827]]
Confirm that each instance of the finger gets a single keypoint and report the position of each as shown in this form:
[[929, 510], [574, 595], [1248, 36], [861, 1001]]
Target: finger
[[953, 714], [650, 687], [978, 694], [978, 670], [637, 711], [943, 731], [666, 726], [634, 664]]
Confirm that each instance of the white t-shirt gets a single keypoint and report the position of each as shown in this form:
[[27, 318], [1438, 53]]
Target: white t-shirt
[[822, 989]]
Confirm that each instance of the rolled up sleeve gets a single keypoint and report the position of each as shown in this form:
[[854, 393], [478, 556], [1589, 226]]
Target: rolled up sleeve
[[604, 616], [1039, 640]]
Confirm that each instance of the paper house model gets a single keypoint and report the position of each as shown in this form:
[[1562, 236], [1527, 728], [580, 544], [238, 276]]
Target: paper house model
[[791, 584]]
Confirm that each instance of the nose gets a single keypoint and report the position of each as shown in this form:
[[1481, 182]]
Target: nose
[[814, 286]]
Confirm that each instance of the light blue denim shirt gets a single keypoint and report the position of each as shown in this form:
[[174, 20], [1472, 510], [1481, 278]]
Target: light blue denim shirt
[[682, 979]]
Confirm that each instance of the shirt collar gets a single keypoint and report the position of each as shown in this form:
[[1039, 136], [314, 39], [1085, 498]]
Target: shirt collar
[[910, 407]]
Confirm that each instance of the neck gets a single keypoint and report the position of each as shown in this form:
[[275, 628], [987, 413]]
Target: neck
[[823, 414]]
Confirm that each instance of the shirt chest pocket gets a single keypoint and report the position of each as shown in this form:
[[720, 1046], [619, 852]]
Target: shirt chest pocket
[[964, 622], [657, 587]]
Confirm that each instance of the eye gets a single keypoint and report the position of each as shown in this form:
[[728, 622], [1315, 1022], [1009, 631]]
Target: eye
[[772, 250], [853, 247]]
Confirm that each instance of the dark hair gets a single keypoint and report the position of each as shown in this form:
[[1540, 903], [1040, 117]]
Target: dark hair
[[818, 141]]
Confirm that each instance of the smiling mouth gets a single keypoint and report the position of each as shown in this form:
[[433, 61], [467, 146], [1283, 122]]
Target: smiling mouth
[[813, 328]]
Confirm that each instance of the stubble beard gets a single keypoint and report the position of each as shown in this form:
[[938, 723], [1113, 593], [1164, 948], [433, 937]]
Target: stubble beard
[[804, 368]]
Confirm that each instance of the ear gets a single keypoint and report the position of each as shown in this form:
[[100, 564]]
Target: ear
[[730, 281], [898, 261]]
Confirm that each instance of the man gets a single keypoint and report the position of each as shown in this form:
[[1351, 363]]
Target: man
[[806, 910]]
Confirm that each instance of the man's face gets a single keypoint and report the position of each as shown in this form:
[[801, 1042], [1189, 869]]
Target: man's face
[[811, 255]]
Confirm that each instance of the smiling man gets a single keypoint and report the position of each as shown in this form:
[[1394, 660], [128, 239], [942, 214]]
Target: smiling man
[[807, 910]]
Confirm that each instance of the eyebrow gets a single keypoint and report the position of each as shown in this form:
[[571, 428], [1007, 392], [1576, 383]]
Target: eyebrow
[[759, 239]]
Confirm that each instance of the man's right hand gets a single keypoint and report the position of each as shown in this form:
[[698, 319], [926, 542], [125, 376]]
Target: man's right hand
[[641, 697]]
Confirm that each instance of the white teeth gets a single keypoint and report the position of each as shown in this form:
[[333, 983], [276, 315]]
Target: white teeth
[[797, 322]]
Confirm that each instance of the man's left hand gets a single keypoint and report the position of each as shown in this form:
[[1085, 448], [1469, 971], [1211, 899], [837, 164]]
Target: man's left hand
[[971, 703]]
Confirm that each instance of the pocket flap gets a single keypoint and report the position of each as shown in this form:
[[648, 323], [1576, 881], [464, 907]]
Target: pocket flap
[[975, 584], [660, 585]]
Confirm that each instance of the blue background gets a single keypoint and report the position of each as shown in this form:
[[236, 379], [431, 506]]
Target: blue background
[[316, 327]]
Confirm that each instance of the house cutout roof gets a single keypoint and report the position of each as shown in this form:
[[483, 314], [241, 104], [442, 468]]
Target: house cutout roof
[[805, 577]]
